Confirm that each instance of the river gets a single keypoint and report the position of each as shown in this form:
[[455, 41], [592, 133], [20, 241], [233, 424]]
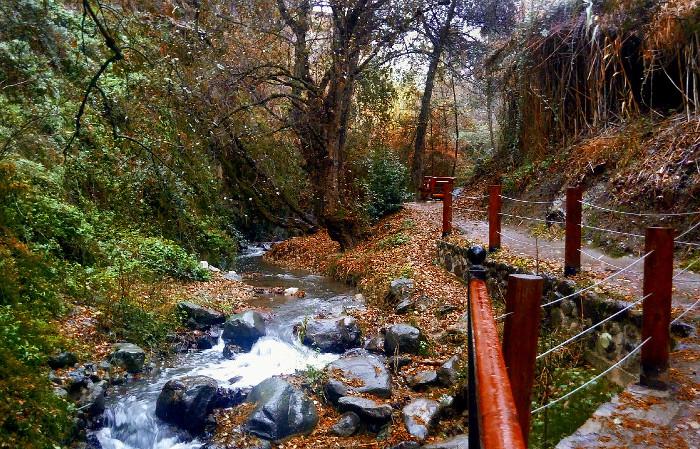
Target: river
[[130, 415]]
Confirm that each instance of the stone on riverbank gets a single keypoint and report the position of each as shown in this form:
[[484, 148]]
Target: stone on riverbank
[[419, 417], [357, 374], [403, 338], [198, 317], [128, 356]]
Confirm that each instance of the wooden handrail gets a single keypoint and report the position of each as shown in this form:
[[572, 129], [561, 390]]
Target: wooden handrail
[[498, 419]]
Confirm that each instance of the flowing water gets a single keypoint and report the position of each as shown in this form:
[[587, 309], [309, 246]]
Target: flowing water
[[130, 416]]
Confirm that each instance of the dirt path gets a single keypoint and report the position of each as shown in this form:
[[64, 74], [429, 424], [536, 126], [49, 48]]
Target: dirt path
[[518, 241]]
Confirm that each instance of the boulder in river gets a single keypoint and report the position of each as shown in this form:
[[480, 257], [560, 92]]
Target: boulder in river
[[403, 338], [197, 316], [281, 411], [187, 401], [92, 401], [357, 374], [419, 416], [332, 334], [244, 329], [128, 356]]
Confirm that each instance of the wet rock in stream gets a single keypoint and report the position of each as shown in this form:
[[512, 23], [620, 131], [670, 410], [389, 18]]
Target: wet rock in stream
[[331, 334], [281, 411], [244, 329], [186, 402]]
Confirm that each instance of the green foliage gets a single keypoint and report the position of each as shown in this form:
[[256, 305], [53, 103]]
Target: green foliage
[[161, 257], [565, 417], [385, 183], [31, 415], [130, 321], [392, 241], [314, 380], [425, 349]]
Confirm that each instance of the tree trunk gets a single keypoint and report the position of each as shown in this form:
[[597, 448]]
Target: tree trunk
[[439, 40], [419, 147]]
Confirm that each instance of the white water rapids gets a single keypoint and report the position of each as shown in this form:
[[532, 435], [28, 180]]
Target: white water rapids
[[130, 416]]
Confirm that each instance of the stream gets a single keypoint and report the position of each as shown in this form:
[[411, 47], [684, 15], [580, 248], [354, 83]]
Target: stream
[[130, 415]]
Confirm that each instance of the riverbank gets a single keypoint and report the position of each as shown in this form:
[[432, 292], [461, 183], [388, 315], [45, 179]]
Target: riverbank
[[404, 245]]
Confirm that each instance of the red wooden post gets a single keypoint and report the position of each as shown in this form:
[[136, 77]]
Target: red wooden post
[[494, 218], [523, 299], [572, 245], [656, 318], [447, 208]]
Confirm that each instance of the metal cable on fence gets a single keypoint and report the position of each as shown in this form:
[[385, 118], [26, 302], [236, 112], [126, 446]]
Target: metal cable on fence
[[524, 201], [687, 268], [599, 260], [688, 231], [670, 214], [528, 243], [471, 210], [599, 282], [614, 232], [478, 198], [687, 243], [500, 317], [561, 345], [592, 380], [532, 218], [692, 306]]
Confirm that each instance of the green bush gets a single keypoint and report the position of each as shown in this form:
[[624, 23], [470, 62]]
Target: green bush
[[564, 417], [150, 258], [169, 259], [385, 183], [392, 241], [129, 321], [31, 415]]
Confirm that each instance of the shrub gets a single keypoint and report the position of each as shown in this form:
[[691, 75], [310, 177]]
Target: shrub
[[133, 254], [31, 415], [385, 184]]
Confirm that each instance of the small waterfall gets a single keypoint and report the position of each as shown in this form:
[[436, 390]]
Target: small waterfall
[[130, 417], [269, 356]]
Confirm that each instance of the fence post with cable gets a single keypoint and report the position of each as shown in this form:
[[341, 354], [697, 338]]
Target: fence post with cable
[[656, 318], [572, 244], [494, 217], [520, 333]]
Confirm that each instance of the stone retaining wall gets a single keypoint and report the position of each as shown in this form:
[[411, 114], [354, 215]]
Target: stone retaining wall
[[604, 345]]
